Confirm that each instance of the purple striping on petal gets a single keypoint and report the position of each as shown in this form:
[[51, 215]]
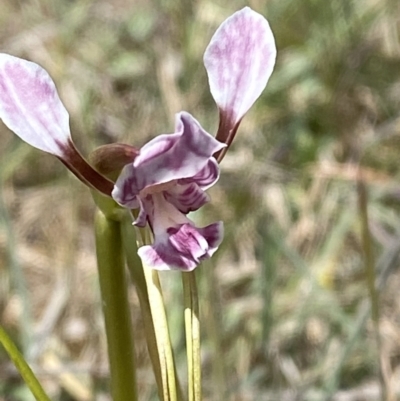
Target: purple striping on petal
[[187, 154], [239, 61], [187, 198], [156, 147], [125, 190], [145, 208], [188, 242], [206, 177], [31, 107], [183, 248], [165, 257], [213, 234]]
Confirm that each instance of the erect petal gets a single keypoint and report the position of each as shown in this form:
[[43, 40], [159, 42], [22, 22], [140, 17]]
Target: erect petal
[[186, 198], [239, 61], [182, 247], [167, 158], [31, 107]]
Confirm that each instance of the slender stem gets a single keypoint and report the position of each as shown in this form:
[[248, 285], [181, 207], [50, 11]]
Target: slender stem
[[188, 329], [154, 316], [192, 327], [369, 263], [22, 366], [214, 328], [162, 333], [137, 275], [113, 286], [167, 363]]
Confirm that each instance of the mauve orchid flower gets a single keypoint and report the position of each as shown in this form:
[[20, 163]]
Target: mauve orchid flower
[[167, 181], [167, 178]]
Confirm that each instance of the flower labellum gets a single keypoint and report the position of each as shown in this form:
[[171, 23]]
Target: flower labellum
[[239, 61], [166, 181]]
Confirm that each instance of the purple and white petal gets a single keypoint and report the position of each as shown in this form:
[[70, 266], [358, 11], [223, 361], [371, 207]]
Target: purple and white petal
[[125, 190], [181, 248], [213, 234], [145, 208], [30, 105], [206, 177], [163, 256], [188, 152], [187, 198], [239, 61]]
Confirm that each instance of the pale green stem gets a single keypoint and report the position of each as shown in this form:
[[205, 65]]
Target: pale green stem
[[114, 294], [137, 275], [153, 311], [168, 371], [192, 327], [189, 339], [22, 366], [214, 327]]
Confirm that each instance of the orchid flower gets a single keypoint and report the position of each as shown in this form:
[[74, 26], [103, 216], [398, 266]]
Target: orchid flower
[[167, 178], [166, 181]]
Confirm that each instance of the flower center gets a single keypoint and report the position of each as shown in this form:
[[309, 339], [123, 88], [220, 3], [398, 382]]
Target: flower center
[[165, 215], [157, 188]]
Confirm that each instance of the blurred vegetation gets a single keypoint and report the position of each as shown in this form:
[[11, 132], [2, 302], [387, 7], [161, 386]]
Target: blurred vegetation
[[285, 301]]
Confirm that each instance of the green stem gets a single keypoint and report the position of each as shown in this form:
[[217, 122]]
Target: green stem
[[23, 368], [156, 300], [137, 275], [162, 334], [113, 286], [153, 311], [214, 327], [192, 327]]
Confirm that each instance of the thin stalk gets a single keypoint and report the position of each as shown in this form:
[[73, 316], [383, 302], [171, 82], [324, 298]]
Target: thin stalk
[[114, 294], [137, 276], [369, 261], [192, 328], [155, 321], [214, 328], [167, 363], [23, 368], [386, 264], [162, 333]]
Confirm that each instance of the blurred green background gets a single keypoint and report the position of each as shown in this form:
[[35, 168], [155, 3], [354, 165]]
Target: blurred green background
[[286, 305]]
